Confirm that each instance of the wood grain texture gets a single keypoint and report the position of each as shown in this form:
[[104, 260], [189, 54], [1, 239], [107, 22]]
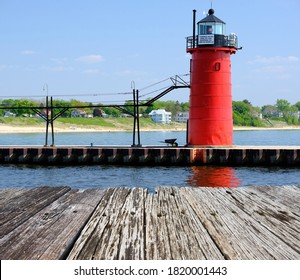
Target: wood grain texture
[[132, 224], [49, 233], [18, 208], [238, 233], [173, 231]]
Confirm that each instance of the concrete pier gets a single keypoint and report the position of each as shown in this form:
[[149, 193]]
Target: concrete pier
[[78, 155]]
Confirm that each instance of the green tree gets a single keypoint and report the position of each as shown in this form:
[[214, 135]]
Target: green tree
[[240, 107], [246, 101], [21, 106], [244, 114], [171, 106], [112, 111], [297, 105], [185, 106], [61, 103], [269, 111], [283, 106], [292, 117]]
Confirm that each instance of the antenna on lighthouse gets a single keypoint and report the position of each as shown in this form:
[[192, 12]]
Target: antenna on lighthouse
[[206, 13]]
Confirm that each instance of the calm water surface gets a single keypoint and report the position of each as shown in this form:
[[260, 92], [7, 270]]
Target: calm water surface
[[258, 138], [147, 177]]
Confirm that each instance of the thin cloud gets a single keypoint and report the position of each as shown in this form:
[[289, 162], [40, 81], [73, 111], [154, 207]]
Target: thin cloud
[[59, 61], [92, 58], [128, 72], [28, 52], [274, 60], [272, 69], [8, 67], [91, 71], [275, 67], [293, 59], [59, 68]]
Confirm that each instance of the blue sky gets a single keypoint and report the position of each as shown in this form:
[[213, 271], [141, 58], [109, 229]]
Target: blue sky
[[89, 49]]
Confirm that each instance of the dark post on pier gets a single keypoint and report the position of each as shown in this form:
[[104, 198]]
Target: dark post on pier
[[136, 119]]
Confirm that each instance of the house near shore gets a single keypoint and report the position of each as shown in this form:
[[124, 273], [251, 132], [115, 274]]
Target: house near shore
[[9, 114], [80, 114], [181, 117], [160, 116]]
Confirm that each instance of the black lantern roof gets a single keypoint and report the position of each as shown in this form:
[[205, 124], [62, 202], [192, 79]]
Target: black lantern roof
[[211, 17]]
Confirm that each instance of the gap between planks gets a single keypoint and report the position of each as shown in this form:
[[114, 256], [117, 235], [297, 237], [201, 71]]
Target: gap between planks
[[173, 223], [187, 223]]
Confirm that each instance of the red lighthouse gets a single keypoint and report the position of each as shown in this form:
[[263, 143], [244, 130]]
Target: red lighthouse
[[210, 119]]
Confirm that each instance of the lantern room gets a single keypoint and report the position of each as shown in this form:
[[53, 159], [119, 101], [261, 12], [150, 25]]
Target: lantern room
[[211, 25], [211, 32]]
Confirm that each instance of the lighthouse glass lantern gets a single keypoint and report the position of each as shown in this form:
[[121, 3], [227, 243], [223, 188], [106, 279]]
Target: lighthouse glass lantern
[[211, 25], [210, 117]]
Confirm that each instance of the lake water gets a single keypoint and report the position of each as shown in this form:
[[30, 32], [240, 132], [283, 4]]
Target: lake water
[[147, 177], [247, 137]]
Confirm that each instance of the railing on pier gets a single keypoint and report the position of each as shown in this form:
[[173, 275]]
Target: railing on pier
[[50, 113], [230, 41]]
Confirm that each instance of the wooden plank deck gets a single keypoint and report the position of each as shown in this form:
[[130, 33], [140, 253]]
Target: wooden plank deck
[[174, 223]]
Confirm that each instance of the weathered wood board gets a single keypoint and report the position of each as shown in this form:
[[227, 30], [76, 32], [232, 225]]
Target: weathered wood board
[[244, 227], [132, 224], [173, 231], [48, 232], [27, 202]]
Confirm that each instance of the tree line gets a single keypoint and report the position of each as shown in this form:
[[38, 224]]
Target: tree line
[[21, 107], [244, 113]]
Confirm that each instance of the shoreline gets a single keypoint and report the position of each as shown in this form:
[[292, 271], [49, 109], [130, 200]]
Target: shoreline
[[245, 128], [7, 129]]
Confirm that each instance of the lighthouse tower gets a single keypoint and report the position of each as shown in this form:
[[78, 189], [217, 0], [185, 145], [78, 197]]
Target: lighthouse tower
[[210, 118]]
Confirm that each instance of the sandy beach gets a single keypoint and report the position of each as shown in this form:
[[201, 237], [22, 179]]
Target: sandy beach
[[266, 128], [41, 129]]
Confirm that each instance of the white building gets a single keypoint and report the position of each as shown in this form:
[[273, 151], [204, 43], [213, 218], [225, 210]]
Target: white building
[[9, 114], [79, 114], [181, 117], [160, 116]]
